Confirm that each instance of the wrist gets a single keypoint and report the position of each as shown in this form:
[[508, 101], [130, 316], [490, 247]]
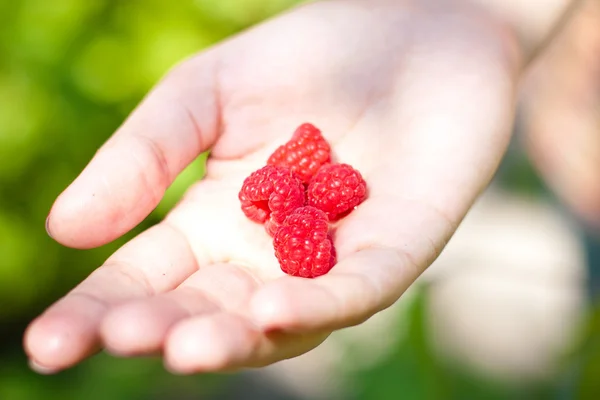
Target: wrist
[[533, 23]]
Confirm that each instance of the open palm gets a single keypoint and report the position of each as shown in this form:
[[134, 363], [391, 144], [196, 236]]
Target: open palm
[[419, 101]]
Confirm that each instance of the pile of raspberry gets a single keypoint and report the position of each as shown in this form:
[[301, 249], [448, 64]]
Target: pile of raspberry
[[296, 196]]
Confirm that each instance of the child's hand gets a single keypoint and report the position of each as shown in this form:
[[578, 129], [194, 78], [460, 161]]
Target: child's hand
[[419, 99]]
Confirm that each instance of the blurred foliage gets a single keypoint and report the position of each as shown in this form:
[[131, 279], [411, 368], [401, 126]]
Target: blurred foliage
[[416, 373], [70, 72], [104, 378]]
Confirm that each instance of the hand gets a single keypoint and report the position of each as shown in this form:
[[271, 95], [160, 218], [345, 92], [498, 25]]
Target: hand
[[561, 115], [419, 99]]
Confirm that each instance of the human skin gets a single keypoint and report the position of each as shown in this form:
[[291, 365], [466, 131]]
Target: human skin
[[417, 95], [561, 115]]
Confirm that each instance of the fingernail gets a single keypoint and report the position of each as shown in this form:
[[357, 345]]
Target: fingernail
[[40, 369], [48, 227]]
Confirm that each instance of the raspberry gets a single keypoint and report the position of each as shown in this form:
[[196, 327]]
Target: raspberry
[[302, 244], [304, 153], [271, 227], [271, 192], [336, 189]]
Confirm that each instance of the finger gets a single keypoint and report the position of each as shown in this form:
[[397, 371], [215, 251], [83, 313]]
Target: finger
[[358, 287], [209, 343], [128, 176], [156, 261], [140, 327], [375, 267], [226, 342]]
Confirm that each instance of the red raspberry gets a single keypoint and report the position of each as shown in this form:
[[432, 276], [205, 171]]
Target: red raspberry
[[271, 227], [304, 153], [336, 189], [302, 244], [271, 192]]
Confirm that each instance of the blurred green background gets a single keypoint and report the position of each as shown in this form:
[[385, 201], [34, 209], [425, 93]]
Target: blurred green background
[[70, 72]]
